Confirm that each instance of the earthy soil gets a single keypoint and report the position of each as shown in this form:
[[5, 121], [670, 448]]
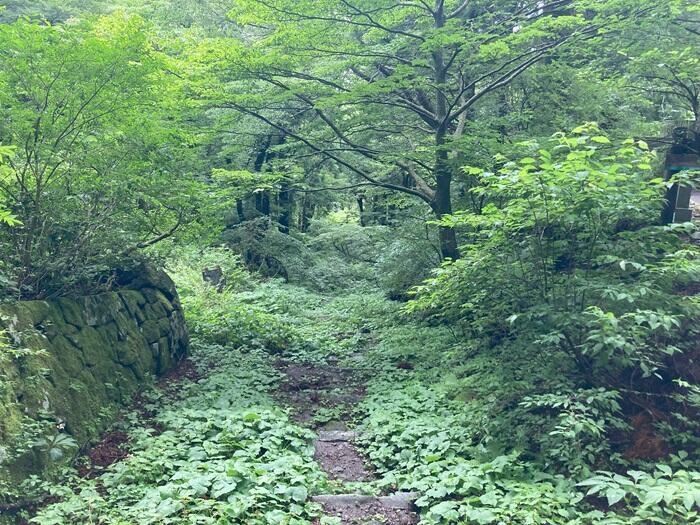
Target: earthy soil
[[111, 449], [341, 461], [309, 387], [114, 446]]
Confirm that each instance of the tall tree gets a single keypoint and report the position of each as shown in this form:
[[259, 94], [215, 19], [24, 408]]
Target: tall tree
[[384, 89]]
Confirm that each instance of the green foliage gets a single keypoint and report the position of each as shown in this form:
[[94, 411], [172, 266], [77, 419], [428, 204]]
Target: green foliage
[[568, 261], [97, 172], [504, 390], [5, 216], [227, 318], [486, 433], [583, 418], [226, 454], [663, 496], [56, 445]]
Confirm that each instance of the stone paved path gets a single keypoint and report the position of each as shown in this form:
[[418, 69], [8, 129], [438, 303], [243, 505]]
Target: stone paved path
[[310, 388]]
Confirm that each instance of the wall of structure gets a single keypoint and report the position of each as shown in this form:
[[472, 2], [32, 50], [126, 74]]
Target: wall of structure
[[67, 365]]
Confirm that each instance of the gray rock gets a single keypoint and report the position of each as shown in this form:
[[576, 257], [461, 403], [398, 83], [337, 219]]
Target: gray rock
[[399, 500], [337, 435], [396, 501], [343, 500]]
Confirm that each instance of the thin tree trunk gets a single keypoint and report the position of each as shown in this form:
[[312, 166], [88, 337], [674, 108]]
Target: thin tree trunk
[[286, 202], [442, 206], [361, 208], [305, 215]]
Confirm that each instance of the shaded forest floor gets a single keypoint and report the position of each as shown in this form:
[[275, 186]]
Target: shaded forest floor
[[300, 408]]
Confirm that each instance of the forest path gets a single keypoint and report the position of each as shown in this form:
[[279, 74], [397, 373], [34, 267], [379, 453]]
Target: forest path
[[322, 396]]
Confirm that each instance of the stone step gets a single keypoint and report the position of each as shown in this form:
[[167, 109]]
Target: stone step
[[330, 436], [397, 501]]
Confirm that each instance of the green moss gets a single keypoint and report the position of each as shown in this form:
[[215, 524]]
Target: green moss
[[10, 411], [111, 334], [134, 302], [86, 357], [155, 311], [157, 297], [55, 324], [100, 309], [72, 312], [165, 358], [127, 351], [71, 358], [151, 331], [31, 313], [94, 346]]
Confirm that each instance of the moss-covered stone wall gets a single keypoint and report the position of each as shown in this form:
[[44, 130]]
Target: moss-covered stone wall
[[67, 365]]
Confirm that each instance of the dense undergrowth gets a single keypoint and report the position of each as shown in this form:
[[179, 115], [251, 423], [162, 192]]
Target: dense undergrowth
[[547, 377], [403, 189], [486, 434], [217, 449]]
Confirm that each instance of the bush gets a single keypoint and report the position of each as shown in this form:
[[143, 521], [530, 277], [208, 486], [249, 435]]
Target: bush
[[90, 181], [571, 261]]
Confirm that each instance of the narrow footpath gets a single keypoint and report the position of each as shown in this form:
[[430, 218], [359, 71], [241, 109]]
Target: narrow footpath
[[312, 390]]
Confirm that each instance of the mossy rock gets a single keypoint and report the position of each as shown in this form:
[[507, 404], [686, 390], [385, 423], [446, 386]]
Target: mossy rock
[[126, 326], [94, 379], [147, 360], [94, 346], [72, 311], [157, 297], [81, 409], [111, 334], [138, 371], [124, 382], [128, 351], [100, 309], [34, 340], [151, 330], [134, 302], [165, 355], [155, 311], [55, 325], [10, 410], [31, 462], [71, 357], [145, 276], [98, 351], [25, 315]]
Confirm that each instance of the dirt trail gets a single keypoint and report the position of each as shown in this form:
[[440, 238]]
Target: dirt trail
[[314, 390]]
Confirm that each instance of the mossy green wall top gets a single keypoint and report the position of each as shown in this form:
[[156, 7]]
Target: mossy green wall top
[[71, 362]]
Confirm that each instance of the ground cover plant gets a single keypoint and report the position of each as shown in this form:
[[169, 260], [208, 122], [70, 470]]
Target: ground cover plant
[[438, 260]]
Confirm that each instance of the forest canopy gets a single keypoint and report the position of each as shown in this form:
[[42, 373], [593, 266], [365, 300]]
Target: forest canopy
[[483, 199]]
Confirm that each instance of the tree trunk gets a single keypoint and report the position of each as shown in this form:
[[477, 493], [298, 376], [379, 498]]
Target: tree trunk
[[262, 202], [442, 201], [448, 243], [442, 206], [286, 202], [239, 210], [306, 214], [361, 208]]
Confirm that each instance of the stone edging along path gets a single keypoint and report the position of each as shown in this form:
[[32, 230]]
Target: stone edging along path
[[309, 387]]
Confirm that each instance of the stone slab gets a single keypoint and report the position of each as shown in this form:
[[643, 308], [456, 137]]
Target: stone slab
[[330, 436], [398, 500]]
